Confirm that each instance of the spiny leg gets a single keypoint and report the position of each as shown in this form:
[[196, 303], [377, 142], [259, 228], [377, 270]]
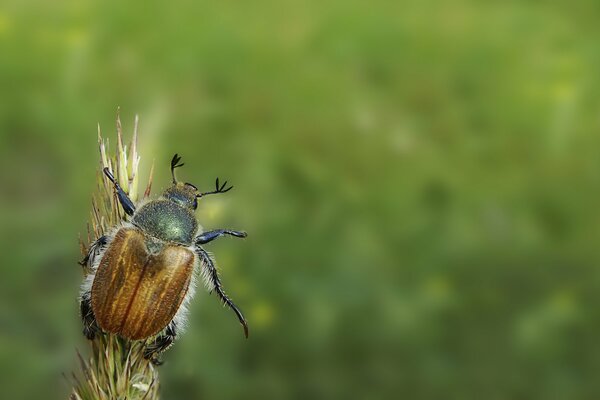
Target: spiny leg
[[90, 326], [88, 260], [211, 274], [125, 201], [161, 343], [212, 235]]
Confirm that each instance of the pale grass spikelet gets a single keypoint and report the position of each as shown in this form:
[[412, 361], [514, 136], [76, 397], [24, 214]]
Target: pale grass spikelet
[[116, 368]]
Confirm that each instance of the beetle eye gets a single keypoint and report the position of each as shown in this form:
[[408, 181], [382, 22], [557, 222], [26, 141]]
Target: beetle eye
[[195, 203]]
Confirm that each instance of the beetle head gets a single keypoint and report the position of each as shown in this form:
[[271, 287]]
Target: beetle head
[[186, 194]]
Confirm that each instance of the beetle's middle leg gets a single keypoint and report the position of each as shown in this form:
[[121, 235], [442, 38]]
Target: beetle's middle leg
[[161, 343], [95, 248], [90, 326]]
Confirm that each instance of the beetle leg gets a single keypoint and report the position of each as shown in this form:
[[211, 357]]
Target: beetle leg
[[88, 260], [125, 201], [90, 326], [212, 235], [161, 343], [210, 272]]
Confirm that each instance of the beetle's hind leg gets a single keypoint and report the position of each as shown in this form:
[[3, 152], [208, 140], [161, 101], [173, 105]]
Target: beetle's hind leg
[[90, 326], [209, 271], [161, 343]]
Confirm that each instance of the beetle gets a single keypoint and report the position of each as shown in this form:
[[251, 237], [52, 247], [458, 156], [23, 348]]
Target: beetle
[[142, 273]]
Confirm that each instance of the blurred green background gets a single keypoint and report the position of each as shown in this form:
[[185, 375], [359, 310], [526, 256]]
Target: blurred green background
[[419, 181]]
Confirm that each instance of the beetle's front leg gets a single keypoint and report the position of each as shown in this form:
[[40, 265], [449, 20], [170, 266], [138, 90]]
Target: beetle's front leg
[[212, 235], [161, 343], [209, 271], [125, 201]]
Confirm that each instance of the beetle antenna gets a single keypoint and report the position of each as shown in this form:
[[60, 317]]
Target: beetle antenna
[[218, 189], [175, 164]]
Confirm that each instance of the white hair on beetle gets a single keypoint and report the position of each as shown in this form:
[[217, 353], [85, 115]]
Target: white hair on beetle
[[201, 268], [181, 316]]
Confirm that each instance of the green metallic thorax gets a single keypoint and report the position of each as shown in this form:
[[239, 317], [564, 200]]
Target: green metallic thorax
[[167, 220]]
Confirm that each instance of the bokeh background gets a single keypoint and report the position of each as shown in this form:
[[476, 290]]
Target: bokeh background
[[420, 182]]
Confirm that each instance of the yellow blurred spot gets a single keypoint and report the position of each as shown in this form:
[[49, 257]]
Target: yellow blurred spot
[[564, 91], [75, 37], [5, 23], [262, 314]]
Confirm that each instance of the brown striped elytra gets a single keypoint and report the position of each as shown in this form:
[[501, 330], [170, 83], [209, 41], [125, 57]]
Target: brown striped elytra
[[135, 293], [143, 272]]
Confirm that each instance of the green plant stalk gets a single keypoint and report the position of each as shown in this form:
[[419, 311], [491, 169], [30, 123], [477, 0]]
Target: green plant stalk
[[116, 368]]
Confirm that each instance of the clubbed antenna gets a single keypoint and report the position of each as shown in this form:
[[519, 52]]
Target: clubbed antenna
[[175, 164], [218, 189]]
